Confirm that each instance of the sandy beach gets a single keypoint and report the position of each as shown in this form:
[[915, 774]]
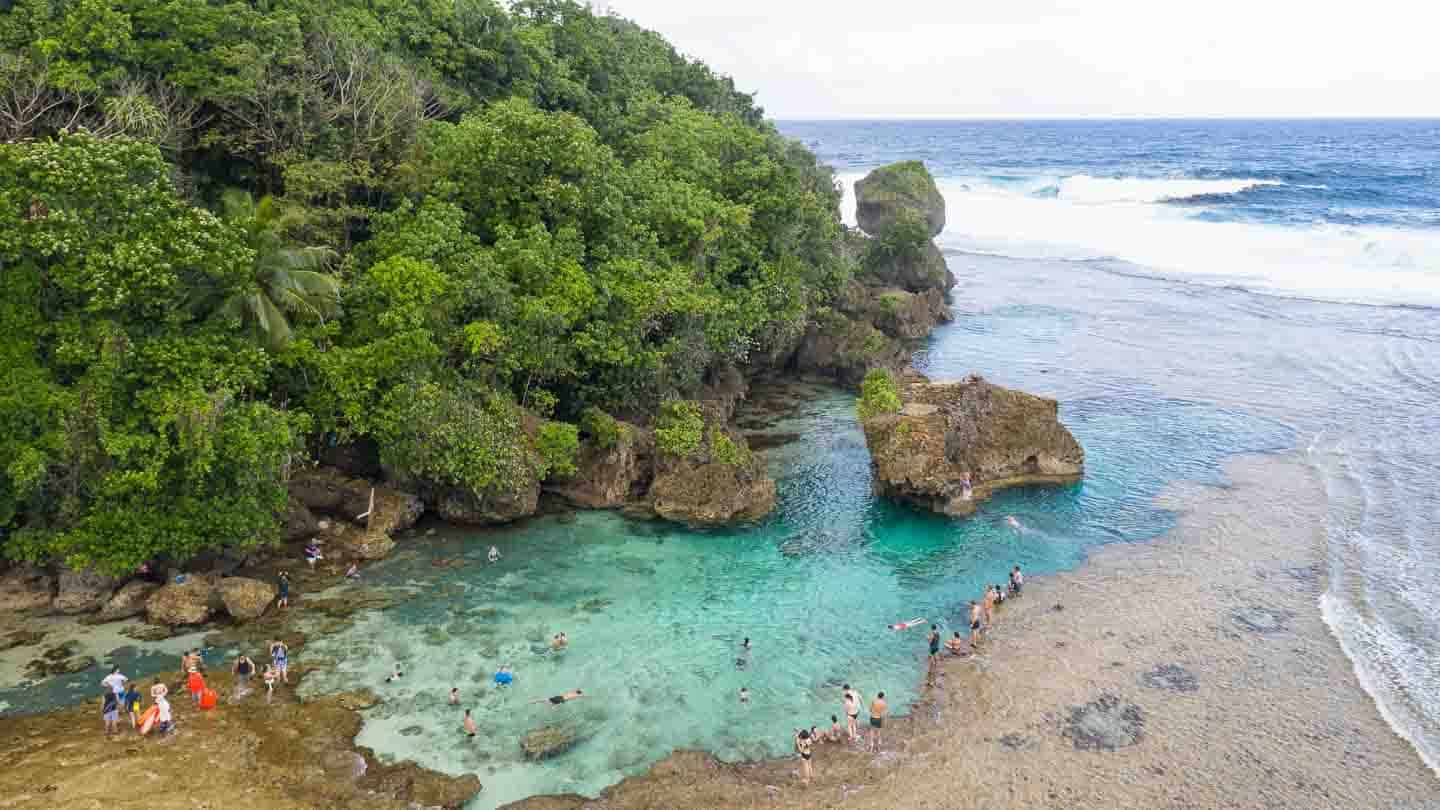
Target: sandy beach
[[1194, 671]]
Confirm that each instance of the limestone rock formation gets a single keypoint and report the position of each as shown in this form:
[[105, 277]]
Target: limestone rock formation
[[608, 477], [349, 540], [244, 598], [890, 192], [459, 505], [128, 601], [298, 522], [1001, 437], [82, 591], [24, 589], [188, 602], [328, 490], [712, 488]]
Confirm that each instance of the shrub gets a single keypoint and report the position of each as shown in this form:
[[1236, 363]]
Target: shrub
[[602, 428], [558, 444], [680, 428], [878, 394], [726, 451]]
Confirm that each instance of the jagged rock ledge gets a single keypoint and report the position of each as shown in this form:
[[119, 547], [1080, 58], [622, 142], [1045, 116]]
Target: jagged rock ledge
[[922, 453]]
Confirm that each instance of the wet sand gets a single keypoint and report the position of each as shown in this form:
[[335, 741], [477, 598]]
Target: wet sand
[[1194, 671]]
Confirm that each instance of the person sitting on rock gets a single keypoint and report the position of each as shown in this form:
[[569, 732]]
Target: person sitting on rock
[[955, 644]]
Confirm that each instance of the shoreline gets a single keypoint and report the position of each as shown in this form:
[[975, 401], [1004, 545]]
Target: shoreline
[[1176, 654], [1161, 699]]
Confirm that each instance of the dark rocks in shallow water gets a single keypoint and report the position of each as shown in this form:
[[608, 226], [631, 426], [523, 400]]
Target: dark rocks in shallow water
[[21, 638], [1172, 677], [1262, 620], [412, 731], [548, 741], [1105, 724], [58, 660]]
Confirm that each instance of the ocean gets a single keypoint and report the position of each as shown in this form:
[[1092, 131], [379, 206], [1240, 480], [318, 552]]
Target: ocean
[[1190, 292]]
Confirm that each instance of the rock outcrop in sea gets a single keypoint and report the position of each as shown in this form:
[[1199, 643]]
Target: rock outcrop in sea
[[1000, 437], [900, 293]]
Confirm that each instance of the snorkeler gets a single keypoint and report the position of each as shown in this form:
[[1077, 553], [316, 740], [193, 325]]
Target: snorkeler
[[565, 698]]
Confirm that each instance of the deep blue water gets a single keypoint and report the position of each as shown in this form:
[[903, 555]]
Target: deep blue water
[[1332, 210]]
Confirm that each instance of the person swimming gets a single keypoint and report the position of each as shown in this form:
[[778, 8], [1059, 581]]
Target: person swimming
[[907, 625], [494, 555], [1014, 524], [396, 674], [559, 699], [503, 676], [744, 695]]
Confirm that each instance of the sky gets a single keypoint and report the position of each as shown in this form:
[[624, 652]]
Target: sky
[[1063, 58]]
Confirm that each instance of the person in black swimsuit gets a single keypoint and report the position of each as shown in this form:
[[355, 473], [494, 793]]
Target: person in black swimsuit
[[852, 713], [558, 699], [803, 741], [934, 639]]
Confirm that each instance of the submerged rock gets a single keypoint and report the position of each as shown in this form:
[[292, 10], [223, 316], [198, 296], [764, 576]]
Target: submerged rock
[[246, 599], [548, 741], [1000, 437], [1105, 724]]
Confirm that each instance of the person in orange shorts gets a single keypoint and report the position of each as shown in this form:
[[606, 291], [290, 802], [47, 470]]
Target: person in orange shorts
[[196, 682]]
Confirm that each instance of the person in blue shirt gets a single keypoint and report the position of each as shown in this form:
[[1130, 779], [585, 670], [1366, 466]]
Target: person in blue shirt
[[503, 676]]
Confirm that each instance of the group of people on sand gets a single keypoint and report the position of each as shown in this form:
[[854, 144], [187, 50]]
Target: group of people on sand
[[981, 616]]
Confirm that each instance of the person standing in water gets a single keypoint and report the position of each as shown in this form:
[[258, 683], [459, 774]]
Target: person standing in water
[[878, 708], [110, 711], [974, 624], [494, 555], [934, 639], [802, 747], [280, 658], [454, 696], [1017, 581], [469, 724], [988, 605], [852, 713]]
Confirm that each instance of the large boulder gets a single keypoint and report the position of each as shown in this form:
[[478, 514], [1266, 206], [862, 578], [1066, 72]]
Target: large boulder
[[1000, 437], [188, 602], [83, 591], [460, 505], [721, 483], [609, 475], [298, 522], [917, 270], [356, 541], [890, 192], [128, 601], [328, 490], [25, 589], [845, 348], [244, 598], [907, 315]]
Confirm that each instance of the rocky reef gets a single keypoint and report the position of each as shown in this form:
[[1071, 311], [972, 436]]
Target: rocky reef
[[922, 451]]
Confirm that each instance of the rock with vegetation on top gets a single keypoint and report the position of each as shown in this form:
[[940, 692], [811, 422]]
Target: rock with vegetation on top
[[613, 466], [82, 591], [24, 589], [909, 316], [889, 193], [460, 505], [845, 348], [128, 601], [706, 474], [188, 602], [924, 442], [244, 598]]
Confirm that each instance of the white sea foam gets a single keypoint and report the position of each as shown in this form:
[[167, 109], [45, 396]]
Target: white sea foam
[[1126, 221]]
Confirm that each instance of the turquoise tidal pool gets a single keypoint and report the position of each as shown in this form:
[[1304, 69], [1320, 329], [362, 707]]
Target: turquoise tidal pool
[[656, 613]]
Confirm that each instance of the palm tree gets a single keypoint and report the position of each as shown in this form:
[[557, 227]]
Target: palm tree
[[287, 280]]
